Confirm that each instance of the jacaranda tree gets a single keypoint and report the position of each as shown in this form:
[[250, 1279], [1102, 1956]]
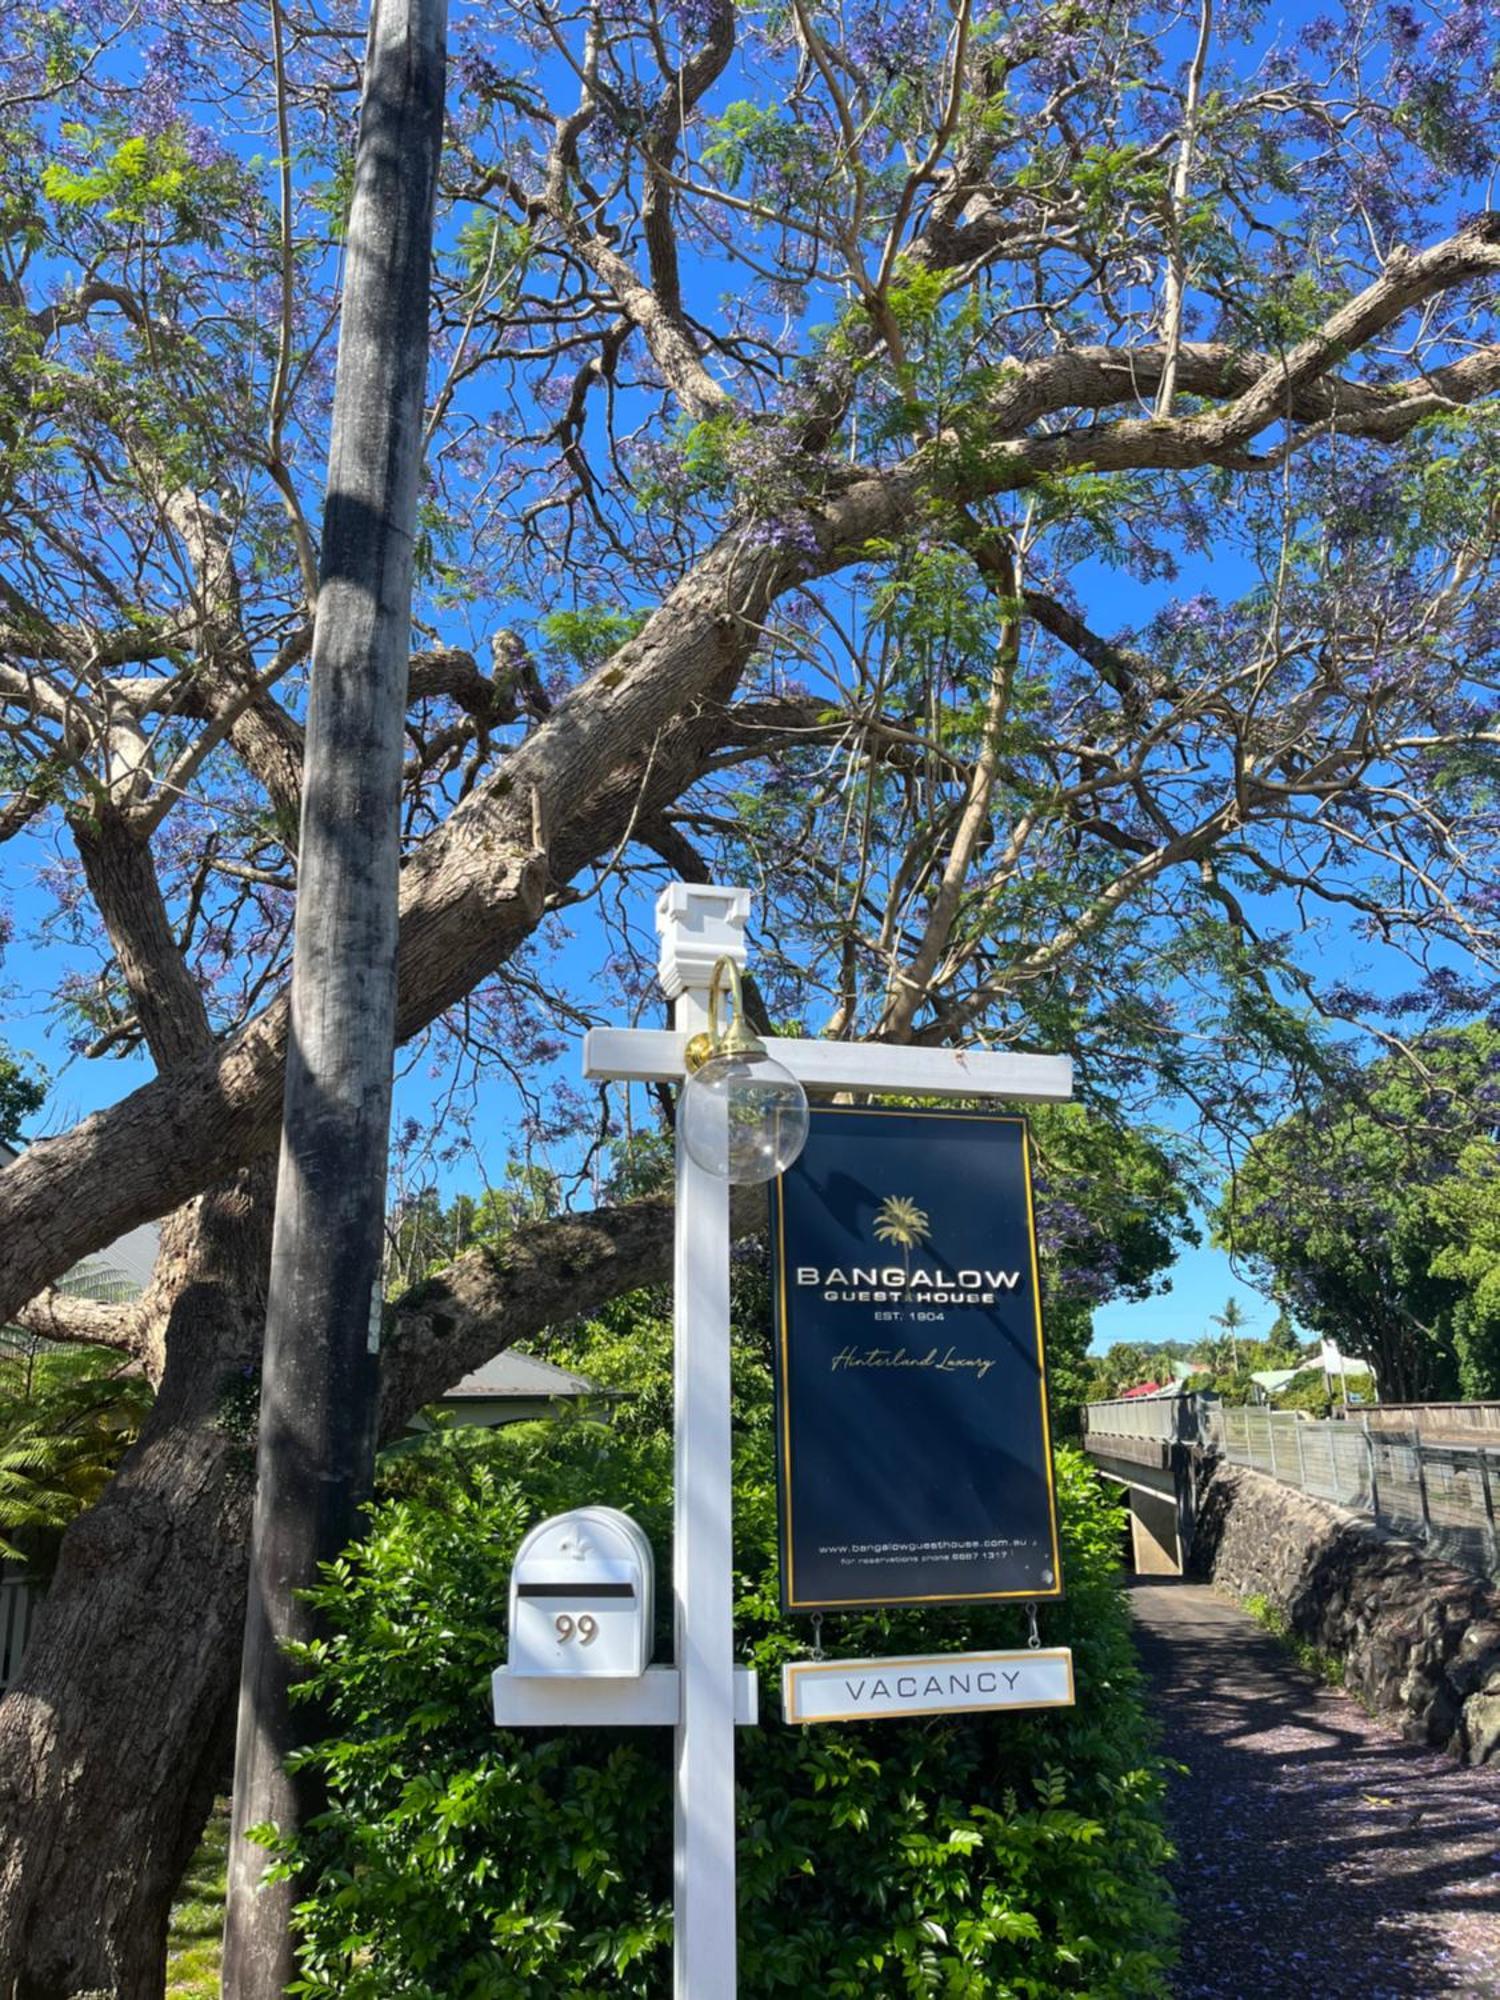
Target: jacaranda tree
[[1014, 482]]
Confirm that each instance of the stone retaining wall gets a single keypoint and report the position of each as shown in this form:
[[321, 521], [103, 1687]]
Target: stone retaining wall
[[1419, 1639]]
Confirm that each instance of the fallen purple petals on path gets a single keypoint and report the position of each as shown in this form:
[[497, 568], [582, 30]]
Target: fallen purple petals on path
[[1319, 1856]]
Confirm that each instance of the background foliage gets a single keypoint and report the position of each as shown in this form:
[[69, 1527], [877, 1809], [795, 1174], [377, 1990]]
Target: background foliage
[[1374, 1211]]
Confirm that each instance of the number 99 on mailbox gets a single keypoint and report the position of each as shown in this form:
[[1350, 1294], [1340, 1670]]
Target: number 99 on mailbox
[[581, 1591]]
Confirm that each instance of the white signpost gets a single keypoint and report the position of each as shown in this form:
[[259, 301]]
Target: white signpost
[[705, 1694]]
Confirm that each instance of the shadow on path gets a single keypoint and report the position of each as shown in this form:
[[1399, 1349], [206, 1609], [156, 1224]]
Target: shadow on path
[[1319, 1856]]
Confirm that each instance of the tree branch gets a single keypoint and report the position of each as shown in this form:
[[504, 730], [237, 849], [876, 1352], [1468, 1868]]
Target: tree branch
[[543, 1274], [65, 1316], [568, 793]]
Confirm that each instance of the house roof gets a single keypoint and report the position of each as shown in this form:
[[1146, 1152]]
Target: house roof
[[1272, 1379], [130, 1256], [513, 1374]]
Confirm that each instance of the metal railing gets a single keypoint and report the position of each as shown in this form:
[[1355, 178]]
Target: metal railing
[[1441, 1494]]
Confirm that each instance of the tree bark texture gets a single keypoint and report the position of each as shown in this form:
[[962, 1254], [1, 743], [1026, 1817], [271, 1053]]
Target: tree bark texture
[[471, 896], [116, 1732], [121, 873], [320, 1388], [158, 1146]]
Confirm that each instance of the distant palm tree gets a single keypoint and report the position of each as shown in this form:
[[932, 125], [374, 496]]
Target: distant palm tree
[[1234, 1320]]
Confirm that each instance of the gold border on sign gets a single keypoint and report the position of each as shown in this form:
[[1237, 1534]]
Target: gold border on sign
[[793, 1670], [793, 1602]]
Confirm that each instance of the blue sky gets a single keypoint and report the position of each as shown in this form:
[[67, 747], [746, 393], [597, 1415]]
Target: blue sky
[[1201, 1281]]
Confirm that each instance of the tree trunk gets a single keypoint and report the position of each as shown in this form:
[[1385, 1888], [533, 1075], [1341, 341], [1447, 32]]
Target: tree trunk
[[320, 1388], [115, 1734]]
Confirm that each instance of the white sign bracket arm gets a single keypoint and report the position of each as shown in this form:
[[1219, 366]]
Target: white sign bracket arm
[[655, 1055]]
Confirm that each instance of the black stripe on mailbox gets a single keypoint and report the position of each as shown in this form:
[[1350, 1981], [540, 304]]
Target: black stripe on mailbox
[[575, 1590]]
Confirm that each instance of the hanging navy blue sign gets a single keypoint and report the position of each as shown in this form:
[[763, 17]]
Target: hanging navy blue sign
[[915, 1459]]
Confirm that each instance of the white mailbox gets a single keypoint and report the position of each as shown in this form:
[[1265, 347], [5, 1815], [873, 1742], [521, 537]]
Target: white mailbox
[[581, 1591]]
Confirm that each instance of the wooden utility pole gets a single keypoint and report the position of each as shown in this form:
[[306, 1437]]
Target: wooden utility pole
[[320, 1376]]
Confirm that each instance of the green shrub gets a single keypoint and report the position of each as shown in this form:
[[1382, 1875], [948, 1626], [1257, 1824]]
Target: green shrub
[[1271, 1618], [964, 1855], [68, 1415]]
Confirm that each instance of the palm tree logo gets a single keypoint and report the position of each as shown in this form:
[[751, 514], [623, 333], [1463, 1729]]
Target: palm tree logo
[[898, 1220]]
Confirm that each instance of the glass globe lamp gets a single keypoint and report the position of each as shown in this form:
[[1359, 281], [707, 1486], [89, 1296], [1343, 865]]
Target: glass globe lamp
[[743, 1117]]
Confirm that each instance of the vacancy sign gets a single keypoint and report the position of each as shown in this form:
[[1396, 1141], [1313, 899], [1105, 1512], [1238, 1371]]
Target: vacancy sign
[[942, 1684]]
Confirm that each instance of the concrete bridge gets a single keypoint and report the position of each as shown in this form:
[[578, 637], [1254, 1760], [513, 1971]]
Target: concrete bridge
[[1429, 1473], [1379, 1545], [1148, 1444]]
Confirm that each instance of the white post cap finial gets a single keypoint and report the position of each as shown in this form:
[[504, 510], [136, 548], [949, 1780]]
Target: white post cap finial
[[698, 924]]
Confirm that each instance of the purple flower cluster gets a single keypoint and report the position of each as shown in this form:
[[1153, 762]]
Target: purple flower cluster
[[1403, 27], [1085, 1263], [1046, 44], [155, 105], [794, 535], [1355, 1001], [657, 464], [1322, 35], [891, 41], [1443, 994], [1462, 32]]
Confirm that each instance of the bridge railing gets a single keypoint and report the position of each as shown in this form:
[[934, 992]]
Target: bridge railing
[[1439, 1493], [1440, 1418], [1177, 1419]]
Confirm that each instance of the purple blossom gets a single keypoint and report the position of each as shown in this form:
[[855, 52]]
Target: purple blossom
[[890, 40], [1403, 27], [202, 148], [793, 535], [1461, 33], [1321, 35], [154, 106]]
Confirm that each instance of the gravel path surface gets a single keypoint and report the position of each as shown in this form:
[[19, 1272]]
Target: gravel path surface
[[1319, 1855]]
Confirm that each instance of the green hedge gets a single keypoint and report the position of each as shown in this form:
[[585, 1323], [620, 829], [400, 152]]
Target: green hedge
[[967, 1855]]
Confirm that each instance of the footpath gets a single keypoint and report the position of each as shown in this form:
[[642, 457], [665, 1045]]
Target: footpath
[[1319, 1856]]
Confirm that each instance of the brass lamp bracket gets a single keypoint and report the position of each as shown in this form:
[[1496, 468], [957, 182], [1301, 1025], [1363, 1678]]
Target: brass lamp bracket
[[737, 1039]]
